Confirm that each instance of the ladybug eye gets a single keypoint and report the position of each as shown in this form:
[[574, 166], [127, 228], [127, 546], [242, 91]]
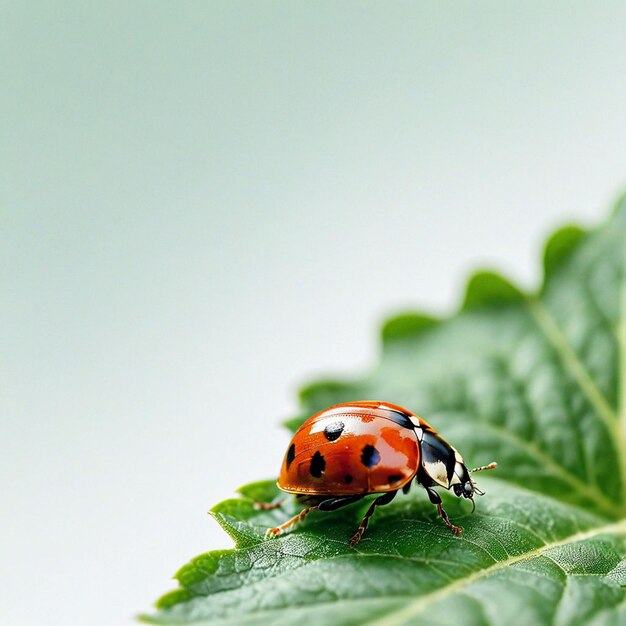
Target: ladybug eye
[[468, 487]]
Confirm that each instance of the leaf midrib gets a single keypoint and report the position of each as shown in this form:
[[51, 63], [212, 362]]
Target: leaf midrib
[[612, 420]]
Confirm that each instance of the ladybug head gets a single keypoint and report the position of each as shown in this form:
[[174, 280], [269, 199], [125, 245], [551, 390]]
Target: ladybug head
[[466, 488]]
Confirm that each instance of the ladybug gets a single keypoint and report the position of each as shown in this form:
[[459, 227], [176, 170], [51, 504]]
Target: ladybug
[[352, 450]]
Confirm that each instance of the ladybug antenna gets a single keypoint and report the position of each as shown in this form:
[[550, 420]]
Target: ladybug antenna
[[482, 468], [478, 491]]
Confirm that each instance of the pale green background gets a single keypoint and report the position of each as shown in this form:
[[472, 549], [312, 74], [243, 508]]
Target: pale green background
[[204, 204]]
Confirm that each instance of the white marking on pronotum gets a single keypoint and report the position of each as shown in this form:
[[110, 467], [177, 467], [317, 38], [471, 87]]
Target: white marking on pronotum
[[419, 429], [458, 473], [437, 471]]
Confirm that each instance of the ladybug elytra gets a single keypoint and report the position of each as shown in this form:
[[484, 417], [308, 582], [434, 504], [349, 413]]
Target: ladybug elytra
[[352, 450]]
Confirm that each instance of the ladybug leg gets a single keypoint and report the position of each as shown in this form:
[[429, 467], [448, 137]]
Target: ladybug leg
[[326, 504], [435, 498], [407, 487], [271, 532], [380, 501], [267, 506], [457, 530]]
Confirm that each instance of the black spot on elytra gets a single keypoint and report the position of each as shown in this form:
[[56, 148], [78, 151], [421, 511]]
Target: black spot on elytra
[[318, 465], [291, 454], [394, 478], [333, 431], [347, 479], [370, 456]]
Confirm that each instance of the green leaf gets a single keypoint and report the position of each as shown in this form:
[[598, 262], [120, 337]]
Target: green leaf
[[533, 381]]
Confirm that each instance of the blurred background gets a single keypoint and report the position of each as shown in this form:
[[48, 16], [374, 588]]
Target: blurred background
[[206, 205]]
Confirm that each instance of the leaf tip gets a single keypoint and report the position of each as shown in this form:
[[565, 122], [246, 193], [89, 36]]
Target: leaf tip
[[559, 247], [487, 288], [170, 599], [240, 531], [404, 325]]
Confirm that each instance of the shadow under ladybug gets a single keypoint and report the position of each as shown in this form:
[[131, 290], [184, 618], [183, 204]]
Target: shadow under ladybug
[[352, 450]]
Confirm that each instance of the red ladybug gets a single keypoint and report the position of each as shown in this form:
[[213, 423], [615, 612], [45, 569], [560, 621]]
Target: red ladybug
[[356, 449]]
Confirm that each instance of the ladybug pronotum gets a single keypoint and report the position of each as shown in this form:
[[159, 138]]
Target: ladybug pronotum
[[356, 449]]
